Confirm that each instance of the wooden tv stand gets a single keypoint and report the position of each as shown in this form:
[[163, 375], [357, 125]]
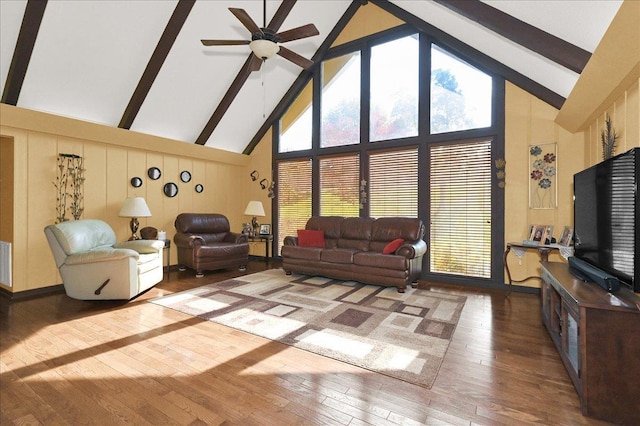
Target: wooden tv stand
[[598, 337]]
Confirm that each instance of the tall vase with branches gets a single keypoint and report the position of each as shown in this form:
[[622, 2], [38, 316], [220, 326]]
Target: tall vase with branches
[[608, 138]]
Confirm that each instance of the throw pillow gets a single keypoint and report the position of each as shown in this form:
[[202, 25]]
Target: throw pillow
[[310, 238], [393, 246]]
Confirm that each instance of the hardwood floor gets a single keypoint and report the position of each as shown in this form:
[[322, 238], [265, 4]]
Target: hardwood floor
[[64, 361]]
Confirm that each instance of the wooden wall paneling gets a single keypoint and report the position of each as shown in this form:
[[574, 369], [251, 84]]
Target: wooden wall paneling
[[171, 206], [117, 190], [632, 121], [136, 166], [42, 171], [20, 210], [199, 176], [153, 191], [7, 193], [185, 190], [95, 184]]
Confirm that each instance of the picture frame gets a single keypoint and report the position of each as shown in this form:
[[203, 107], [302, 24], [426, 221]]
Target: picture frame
[[265, 229], [540, 233], [566, 237]]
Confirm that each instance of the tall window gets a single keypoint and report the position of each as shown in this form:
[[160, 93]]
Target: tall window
[[394, 89], [294, 197], [393, 183], [340, 101], [339, 191], [393, 137], [460, 94], [460, 226]]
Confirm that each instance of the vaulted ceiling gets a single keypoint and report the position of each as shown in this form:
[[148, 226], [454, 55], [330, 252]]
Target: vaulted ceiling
[[139, 65]]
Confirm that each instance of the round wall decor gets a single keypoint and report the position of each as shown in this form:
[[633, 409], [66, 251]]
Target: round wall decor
[[185, 176], [170, 189], [154, 173], [136, 182], [199, 188]]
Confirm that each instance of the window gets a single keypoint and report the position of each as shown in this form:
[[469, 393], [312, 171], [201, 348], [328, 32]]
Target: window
[[380, 150], [394, 89], [339, 186], [460, 226], [460, 94], [294, 197], [296, 123], [340, 101], [393, 183]]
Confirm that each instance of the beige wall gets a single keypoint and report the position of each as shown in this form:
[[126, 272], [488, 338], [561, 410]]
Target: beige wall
[[529, 121], [625, 119], [112, 157]]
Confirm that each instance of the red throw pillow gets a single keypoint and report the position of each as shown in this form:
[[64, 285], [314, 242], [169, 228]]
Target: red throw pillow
[[393, 246], [310, 238]]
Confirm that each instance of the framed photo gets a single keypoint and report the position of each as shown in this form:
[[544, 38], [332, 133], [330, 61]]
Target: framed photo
[[540, 233], [567, 235], [265, 229]]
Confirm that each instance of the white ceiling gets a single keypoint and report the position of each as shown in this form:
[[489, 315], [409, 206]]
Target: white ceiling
[[90, 55]]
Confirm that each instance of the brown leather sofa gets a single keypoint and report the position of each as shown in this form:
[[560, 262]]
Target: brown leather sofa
[[354, 249], [205, 243]]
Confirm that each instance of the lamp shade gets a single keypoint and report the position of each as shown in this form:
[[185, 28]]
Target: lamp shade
[[135, 207], [254, 208]]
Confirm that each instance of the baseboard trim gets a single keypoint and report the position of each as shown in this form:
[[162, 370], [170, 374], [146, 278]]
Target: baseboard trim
[[31, 294]]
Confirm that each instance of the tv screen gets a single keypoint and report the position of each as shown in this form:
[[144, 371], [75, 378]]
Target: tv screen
[[606, 217]]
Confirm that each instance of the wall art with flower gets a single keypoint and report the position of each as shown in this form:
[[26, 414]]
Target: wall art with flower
[[543, 170]]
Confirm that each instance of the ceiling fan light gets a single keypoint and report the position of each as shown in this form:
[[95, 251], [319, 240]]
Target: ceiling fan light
[[264, 49]]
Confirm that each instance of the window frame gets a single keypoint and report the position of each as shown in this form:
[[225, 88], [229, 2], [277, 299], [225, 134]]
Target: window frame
[[495, 132]]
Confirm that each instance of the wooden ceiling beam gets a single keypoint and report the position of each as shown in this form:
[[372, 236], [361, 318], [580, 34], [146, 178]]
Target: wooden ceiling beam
[[29, 28], [169, 35], [527, 36]]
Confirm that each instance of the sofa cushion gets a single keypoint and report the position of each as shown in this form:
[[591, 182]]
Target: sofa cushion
[[310, 238], [378, 261], [392, 246], [297, 252], [355, 233], [338, 255]]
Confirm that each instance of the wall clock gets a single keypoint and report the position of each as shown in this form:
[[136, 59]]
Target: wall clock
[[154, 173], [185, 176]]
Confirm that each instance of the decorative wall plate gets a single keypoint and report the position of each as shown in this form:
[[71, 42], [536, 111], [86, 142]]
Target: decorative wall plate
[[185, 176], [154, 173], [136, 182], [199, 188], [170, 189]]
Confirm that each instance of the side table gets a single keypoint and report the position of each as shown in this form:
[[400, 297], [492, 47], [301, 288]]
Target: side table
[[268, 239], [543, 251], [167, 247]]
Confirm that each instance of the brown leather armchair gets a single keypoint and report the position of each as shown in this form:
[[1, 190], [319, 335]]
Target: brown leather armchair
[[205, 243]]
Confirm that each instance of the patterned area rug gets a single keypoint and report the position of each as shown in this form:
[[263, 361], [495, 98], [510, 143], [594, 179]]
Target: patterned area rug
[[403, 335]]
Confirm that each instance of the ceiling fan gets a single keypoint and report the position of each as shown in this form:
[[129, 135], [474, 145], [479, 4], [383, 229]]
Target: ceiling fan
[[265, 42]]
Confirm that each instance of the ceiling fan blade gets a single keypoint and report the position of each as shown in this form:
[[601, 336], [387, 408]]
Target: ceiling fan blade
[[294, 57], [224, 42], [246, 20], [255, 63], [298, 33]]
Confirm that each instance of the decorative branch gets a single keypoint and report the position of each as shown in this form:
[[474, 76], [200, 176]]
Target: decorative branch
[[69, 166], [608, 138]]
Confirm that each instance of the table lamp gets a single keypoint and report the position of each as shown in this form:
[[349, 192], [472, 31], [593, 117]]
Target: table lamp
[[254, 208], [134, 208]]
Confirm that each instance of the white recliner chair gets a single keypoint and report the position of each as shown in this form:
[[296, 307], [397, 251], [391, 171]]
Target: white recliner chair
[[93, 266]]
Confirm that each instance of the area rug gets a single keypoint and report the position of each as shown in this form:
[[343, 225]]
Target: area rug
[[403, 335]]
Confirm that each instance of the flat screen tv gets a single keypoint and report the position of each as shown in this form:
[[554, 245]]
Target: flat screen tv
[[606, 217]]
